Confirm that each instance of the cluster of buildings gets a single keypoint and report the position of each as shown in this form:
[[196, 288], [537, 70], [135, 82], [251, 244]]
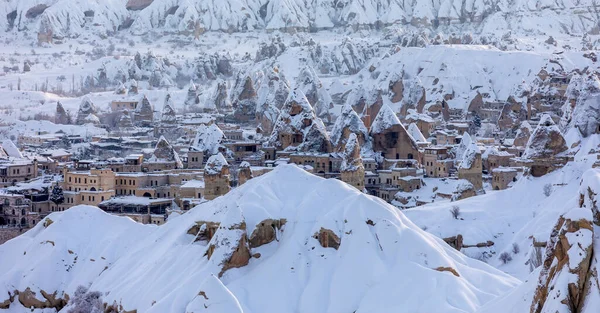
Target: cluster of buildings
[[152, 164]]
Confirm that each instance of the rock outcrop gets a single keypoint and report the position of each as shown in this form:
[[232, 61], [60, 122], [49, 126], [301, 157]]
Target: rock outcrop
[[348, 123], [546, 141], [568, 281], [143, 115], [86, 108], [61, 117], [298, 126], [244, 106]]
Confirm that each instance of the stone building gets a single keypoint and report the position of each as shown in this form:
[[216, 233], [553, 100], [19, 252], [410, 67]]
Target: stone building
[[391, 138], [216, 177], [493, 158], [436, 162], [15, 210], [13, 171], [502, 177], [352, 170], [87, 187]]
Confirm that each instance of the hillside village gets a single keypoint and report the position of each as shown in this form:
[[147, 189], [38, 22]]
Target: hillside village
[[150, 164]]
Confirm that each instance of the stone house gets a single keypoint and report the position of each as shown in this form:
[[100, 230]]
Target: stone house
[[15, 210], [87, 187], [13, 171], [436, 162], [123, 105], [502, 177]]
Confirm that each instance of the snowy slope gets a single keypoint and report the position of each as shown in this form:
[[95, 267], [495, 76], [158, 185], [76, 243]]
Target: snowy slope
[[165, 269], [514, 216], [243, 15]]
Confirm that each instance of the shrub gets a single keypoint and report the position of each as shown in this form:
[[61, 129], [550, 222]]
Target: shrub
[[455, 211], [85, 301], [515, 248], [505, 257]]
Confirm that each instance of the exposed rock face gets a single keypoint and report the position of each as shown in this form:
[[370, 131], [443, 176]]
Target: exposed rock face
[[316, 94], [348, 123], [266, 232], [133, 87], [85, 109], [229, 248], [192, 95], [546, 141], [221, 99], [523, 134], [469, 162], [143, 115], [244, 173], [397, 90], [62, 117], [352, 170], [582, 109], [246, 102], [272, 93], [297, 126], [168, 116], [165, 153], [121, 90], [328, 239], [568, 281], [125, 121]]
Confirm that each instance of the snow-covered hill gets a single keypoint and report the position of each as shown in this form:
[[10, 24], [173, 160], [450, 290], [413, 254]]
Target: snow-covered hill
[[287, 241]]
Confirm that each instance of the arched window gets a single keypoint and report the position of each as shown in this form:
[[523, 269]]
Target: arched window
[[19, 202], [6, 202]]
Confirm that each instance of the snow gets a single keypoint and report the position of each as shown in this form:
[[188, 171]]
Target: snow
[[11, 149], [385, 119], [159, 269], [415, 133], [215, 164], [193, 184], [208, 138]]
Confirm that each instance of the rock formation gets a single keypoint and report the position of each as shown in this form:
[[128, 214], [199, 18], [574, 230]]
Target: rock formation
[[125, 121], [316, 94], [352, 170], [272, 93], [168, 116], [165, 153], [143, 115], [523, 134], [391, 138], [61, 117], [86, 108], [216, 177], [208, 139], [546, 141], [346, 124], [568, 281], [298, 126], [246, 101], [221, 99]]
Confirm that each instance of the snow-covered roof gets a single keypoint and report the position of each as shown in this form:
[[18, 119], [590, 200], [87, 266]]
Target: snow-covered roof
[[215, 164]]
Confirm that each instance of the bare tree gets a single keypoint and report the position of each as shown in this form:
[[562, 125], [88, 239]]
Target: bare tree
[[515, 248], [455, 211], [505, 257], [85, 301]]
